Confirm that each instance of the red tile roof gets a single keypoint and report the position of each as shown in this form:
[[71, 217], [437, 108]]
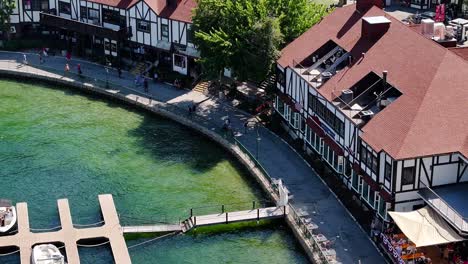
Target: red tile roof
[[462, 52], [123, 4], [431, 117], [183, 11]]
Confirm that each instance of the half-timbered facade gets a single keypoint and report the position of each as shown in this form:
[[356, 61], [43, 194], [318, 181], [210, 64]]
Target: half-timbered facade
[[361, 90], [163, 26]]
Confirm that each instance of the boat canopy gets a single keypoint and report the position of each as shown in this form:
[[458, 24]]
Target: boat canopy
[[424, 227], [5, 203]]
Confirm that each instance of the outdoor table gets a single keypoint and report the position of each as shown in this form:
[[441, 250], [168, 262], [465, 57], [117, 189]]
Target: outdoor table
[[320, 238]]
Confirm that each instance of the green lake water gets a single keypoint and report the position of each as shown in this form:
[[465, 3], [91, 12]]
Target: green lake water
[[57, 143]]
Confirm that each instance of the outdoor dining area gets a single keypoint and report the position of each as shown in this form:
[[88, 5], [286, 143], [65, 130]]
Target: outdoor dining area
[[422, 237]]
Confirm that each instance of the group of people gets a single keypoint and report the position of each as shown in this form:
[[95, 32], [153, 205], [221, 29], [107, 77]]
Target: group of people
[[455, 253], [405, 248]]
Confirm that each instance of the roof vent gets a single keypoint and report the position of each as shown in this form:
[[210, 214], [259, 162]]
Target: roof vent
[[374, 27]]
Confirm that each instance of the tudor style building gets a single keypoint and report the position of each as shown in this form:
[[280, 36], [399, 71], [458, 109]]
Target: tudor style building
[[162, 27], [386, 108]]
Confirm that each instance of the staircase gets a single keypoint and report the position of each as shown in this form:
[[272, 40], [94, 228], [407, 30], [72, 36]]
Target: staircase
[[139, 68], [202, 87], [268, 82]]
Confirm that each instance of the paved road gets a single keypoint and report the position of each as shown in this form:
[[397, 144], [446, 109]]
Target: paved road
[[310, 194]]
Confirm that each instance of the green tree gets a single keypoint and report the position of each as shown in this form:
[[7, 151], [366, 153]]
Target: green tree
[[297, 16], [246, 35], [6, 9]]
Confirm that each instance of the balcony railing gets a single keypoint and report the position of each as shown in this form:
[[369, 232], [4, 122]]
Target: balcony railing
[[443, 208]]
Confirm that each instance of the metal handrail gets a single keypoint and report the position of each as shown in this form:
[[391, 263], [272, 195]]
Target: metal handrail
[[455, 212]]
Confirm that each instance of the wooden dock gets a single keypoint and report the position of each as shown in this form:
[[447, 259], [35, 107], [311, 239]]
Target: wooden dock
[[212, 219], [24, 239]]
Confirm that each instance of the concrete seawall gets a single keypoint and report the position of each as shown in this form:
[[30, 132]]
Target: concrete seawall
[[158, 108]]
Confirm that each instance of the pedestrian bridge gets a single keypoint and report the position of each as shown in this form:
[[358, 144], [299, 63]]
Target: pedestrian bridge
[[195, 221]]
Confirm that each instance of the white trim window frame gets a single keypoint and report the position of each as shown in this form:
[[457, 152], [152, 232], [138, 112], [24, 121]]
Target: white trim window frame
[[295, 120], [287, 112]]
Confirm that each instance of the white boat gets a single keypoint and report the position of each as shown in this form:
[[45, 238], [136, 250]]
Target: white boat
[[47, 254], [7, 216]]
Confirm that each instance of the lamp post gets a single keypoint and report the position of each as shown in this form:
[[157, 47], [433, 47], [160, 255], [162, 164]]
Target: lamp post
[[257, 140]]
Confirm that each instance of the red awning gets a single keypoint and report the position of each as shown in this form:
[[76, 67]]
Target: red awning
[[372, 184], [287, 100], [385, 195], [315, 127], [333, 145], [357, 168]]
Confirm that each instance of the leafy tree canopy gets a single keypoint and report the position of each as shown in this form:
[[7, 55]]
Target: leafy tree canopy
[[6, 9], [246, 35]]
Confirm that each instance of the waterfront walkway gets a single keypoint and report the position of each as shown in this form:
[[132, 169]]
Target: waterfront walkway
[[311, 195]]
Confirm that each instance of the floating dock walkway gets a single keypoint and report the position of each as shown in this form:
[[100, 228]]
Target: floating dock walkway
[[111, 229], [68, 234]]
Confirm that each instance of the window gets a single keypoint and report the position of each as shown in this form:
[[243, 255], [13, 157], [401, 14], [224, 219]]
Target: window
[[408, 175], [287, 112], [371, 198], [165, 32], [295, 120], [190, 35], [326, 114], [110, 16], [180, 61], [93, 14], [280, 78], [382, 208], [64, 8], [44, 5], [302, 124], [143, 26], [27, 5], [113, 47], [348, 170], [355, 181], [365, 191], [280, 106], [36, 5], [388, 172], [83, 12], [369, 158], [375, 164], [107, 44]]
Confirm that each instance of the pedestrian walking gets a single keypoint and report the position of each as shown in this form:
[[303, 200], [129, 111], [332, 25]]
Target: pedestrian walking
[[246, 124], [119, 72], [68, 56], [145, 85], [25, 59], [78, 69], [67, 68], [156, 77], [41, 59]]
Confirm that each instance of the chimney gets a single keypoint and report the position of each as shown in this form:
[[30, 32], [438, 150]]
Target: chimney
[[364, 5], [374, 27], [384, 77]]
